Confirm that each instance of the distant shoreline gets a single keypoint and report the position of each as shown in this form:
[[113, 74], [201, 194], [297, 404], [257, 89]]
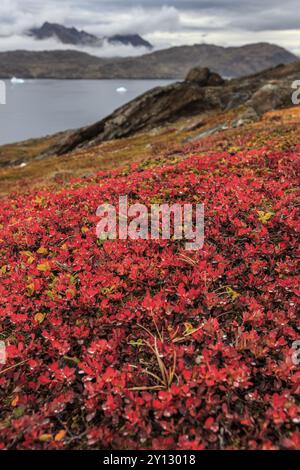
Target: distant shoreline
[[93, 79]]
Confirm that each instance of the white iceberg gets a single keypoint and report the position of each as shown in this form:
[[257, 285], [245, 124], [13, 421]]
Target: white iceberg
[[17, 80], [121, 89]]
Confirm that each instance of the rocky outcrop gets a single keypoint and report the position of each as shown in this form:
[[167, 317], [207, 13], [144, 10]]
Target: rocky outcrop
[[201, 91], [154, 108]]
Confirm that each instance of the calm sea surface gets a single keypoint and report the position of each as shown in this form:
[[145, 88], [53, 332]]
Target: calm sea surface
[[40, 107]]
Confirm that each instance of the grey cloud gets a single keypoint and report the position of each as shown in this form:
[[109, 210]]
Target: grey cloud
[[163, 21]]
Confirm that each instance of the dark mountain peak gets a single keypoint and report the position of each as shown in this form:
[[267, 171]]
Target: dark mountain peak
[[204, 77], [81, 38], [130, 39]]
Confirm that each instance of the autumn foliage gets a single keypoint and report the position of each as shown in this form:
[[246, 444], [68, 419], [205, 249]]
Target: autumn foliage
[[141, 344]]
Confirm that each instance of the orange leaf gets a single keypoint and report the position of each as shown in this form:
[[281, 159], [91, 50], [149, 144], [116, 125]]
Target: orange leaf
[[60, 436], [39, 317], [15, 401]]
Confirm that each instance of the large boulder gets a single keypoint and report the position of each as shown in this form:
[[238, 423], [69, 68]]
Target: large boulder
[[204, 77]]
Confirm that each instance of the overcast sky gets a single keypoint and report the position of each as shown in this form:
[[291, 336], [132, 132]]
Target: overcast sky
[[164, 23]]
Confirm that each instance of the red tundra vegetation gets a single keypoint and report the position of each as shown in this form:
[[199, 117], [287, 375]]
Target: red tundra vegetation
[[141, 344]]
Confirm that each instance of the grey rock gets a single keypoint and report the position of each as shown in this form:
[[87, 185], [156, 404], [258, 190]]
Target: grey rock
[[272, 95], [246, 117], [207, 133]]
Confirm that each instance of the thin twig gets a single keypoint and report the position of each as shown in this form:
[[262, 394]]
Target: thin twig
[[13, 367]]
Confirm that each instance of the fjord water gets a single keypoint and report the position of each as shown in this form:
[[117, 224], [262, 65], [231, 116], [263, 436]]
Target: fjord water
[[38, 108]]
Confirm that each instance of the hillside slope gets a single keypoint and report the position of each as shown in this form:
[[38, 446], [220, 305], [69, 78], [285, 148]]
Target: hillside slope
[[202, 90], [169, 63], [140, 344]]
